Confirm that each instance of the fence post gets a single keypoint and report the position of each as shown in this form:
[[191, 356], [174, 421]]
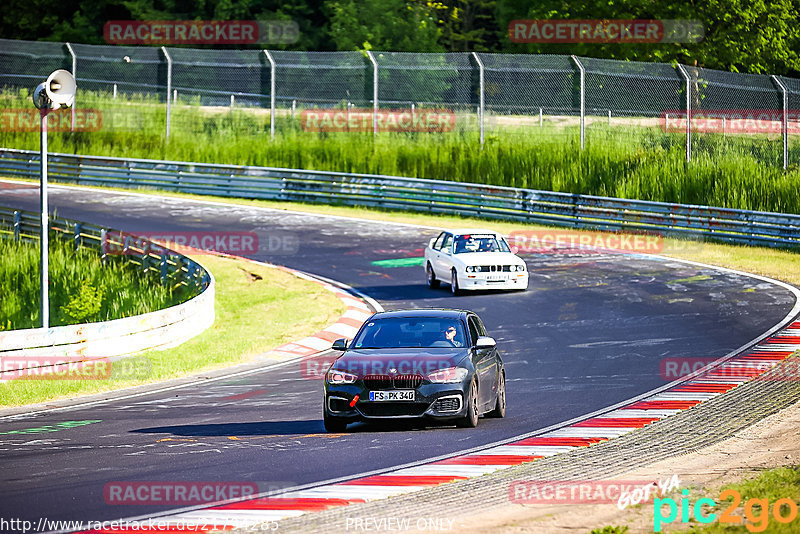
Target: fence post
[[74, 75], [103, 245], [685, 75], [785, 121], [272, 95], [169, 86], [374, 92], [481, 108], [583, 99], [17, 223]]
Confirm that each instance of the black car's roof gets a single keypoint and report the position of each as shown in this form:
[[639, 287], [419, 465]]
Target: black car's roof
[[423, 312]]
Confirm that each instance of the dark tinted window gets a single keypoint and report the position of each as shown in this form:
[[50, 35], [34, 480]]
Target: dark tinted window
[[393, 332], [473, 330]]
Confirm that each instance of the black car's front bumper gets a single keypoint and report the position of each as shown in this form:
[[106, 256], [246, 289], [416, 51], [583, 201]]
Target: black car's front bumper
[[439, 402]]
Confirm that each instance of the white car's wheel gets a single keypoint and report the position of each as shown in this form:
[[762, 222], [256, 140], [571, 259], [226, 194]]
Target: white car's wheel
[[433, 283], [454, 289]]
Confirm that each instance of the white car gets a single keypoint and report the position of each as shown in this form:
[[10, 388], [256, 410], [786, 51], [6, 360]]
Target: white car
[[473, 259]]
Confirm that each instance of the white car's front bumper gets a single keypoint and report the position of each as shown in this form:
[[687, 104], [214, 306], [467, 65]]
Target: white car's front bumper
[[475, 281]]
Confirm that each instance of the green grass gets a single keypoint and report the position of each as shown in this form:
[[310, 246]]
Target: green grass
[[629, 161], [82, 289], [257, 309], [770, 486]]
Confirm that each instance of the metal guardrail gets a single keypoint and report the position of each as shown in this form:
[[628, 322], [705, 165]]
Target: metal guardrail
[[173, 268], [414, 194]]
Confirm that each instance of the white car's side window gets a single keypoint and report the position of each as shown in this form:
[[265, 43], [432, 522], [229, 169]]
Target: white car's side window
[[437, 245], [448, 242]]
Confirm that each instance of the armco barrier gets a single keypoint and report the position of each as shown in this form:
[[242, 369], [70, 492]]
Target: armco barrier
[[120, 337], [432, 196]]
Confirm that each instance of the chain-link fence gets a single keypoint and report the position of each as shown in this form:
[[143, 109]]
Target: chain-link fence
[[269, 93]]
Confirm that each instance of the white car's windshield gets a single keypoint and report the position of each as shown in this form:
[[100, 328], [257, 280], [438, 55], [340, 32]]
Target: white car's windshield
[[479, 243]]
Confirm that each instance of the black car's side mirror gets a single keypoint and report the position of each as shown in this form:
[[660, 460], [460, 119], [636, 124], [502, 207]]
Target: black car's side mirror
[[339, 344], [485, 342]]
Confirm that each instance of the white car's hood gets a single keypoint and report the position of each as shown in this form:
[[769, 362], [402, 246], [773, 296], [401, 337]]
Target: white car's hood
[[488, 258]]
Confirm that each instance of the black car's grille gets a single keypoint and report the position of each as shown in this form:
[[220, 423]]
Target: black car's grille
[[390, 409], [447, 404], [379, 382]]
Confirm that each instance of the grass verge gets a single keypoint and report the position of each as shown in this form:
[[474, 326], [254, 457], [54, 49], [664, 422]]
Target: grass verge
[[627, 161], [81, 289], [761, 500], [257, 309]]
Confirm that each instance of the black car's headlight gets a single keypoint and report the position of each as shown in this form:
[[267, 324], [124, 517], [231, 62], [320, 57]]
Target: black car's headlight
[[340, 377], [450, 375]]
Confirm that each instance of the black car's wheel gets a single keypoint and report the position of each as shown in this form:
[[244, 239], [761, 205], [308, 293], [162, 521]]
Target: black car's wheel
[[471, 419], [454, 283], [433, 283], [500, 405], [333, 424]]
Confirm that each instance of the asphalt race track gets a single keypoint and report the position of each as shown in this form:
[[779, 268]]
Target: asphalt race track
[[591, 331]]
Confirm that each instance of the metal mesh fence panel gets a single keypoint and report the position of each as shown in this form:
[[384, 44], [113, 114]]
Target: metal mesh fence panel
[[632, 88], [325, 79], [25, 64], [447, 79], [522, 84], [751, 106], [138, 70], [211, 77]]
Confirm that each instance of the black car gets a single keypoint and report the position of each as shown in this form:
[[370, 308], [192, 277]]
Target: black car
[[416, 364]]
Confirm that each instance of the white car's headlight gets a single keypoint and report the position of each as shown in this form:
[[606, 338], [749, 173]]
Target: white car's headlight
[[518, 267], [450, 375], [340, 377]]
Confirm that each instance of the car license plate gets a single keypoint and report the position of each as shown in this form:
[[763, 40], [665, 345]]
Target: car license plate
[[397, 395], [496, 277]]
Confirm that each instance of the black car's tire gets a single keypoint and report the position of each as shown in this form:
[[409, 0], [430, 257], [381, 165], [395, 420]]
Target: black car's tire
[[333, 424], [454, 283], [433, 283], [471, 419], [500, 405]]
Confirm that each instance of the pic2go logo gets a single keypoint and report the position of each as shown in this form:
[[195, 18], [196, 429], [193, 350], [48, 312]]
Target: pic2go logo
[[756, 511]]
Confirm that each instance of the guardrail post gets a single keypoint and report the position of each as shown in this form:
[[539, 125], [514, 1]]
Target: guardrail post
[[103, 245], [685, 75], [169, 86], [374, 92], [785, 121], [272, 95], [163, 266], [17, 223], [74, 69], [583, 99], [77, 236], [481, 107]]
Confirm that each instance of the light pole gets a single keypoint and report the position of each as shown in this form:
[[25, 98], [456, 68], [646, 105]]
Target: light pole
[[57, 91]]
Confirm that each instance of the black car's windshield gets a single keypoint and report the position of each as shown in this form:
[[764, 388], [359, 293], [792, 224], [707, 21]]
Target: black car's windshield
[[396, 332], [479, 243]]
